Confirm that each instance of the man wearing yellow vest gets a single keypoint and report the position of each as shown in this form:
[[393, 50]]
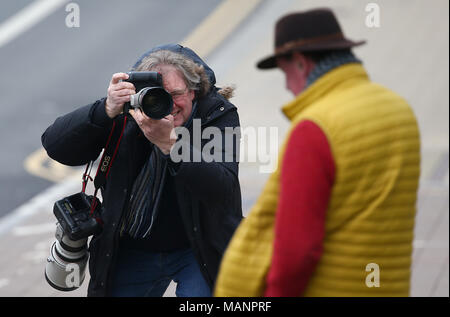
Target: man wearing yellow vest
[[337, 216]]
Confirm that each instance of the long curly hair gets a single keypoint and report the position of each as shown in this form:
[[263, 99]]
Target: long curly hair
[[194, 75]]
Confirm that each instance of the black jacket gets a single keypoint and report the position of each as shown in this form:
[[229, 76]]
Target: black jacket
[[208, 193]]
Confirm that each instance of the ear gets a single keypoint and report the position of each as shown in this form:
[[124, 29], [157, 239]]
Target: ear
[[191, 94], [305, 64]]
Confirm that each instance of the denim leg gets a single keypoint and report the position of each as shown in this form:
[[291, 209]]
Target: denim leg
[[158, 288], [187, 275], [139, 274]]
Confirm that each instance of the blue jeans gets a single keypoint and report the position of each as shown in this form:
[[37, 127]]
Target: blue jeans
[[142, 273]]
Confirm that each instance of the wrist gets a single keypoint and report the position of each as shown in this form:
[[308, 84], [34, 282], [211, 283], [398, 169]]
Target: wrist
[[108, 110], [166, 148]]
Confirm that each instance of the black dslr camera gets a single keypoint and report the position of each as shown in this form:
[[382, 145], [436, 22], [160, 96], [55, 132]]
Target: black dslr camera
[[73, 214], [151, 97]]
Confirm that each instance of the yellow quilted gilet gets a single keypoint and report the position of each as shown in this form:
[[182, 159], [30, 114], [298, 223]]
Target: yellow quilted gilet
[[374, 140]]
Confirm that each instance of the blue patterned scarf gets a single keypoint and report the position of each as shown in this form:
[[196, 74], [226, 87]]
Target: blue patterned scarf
[[330, 62]]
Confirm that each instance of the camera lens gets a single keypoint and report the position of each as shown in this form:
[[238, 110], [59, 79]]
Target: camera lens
[[155, 102], [66, 265]]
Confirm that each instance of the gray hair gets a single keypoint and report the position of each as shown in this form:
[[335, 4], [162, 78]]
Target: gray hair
[[194, 75]]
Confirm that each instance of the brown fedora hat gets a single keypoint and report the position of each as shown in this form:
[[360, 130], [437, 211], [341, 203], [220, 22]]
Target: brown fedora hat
[[313, 30]]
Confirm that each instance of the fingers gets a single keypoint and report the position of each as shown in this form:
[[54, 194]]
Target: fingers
[[127, 87], [137, 116], [169, 119], [159, 132], [117, 77], [119, 88], [123, 85], [119, 93], [143, 120], [122, 92]]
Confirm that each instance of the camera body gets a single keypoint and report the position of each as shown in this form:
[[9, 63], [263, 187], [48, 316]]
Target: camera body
[[151, 97], [73, 214], [141, 80]]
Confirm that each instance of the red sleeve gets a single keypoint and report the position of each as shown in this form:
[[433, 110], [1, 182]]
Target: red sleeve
[[306, 180]]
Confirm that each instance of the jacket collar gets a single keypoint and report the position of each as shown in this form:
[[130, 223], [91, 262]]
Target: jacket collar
[[212, 106], [340, 77]]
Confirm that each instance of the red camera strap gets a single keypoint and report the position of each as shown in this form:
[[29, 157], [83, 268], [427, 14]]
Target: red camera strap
[[109, 154]]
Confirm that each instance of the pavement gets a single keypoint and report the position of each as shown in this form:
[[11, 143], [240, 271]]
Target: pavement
[[408, 53]]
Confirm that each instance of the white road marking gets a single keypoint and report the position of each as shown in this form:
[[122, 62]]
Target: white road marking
[[42, 201], [27, 18], [218, 25]]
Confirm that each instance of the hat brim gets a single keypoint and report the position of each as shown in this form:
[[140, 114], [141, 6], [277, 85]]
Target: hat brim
[[271, 61]]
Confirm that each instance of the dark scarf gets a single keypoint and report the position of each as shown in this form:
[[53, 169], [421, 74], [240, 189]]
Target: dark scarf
[[329, 63], [146, 191]]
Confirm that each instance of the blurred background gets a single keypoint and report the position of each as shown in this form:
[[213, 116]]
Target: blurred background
[[50, 64]]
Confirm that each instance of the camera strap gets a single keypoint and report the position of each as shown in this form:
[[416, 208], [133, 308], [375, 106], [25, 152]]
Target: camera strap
[[109, 154], [87, 176]]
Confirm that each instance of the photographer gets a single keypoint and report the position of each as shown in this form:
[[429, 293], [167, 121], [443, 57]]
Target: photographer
[[162, 220]]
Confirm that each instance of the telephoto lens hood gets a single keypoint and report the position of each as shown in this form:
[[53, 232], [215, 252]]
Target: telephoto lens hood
[[66, 265]]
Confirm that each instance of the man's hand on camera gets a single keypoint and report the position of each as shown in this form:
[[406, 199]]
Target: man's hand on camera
[[159, 132], [119, 92]]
